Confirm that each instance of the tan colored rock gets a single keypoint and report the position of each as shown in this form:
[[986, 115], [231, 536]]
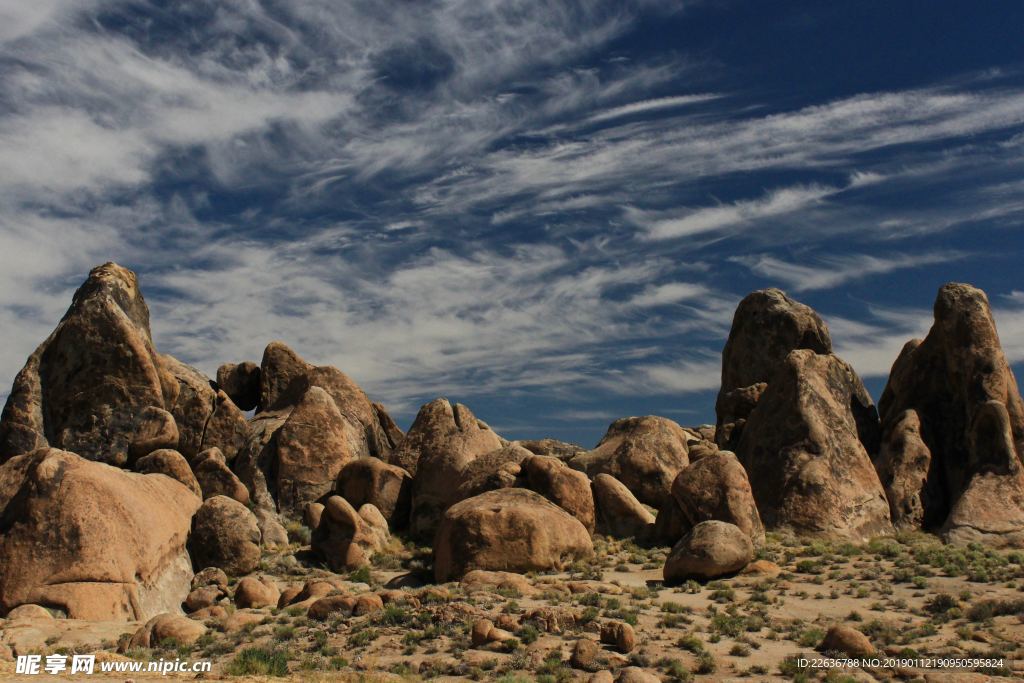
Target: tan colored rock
[[256, 591], [619, 513], [507, 530], [172, 464], [371, 480], [767, 325], [562, 450], [763, 568], [28, 611], [484, 633], [602, 677], [634, 674], [953, 428], [442, 441], [216, 478], [155, 429], [806, 451], [84, 387], [331, 607], [493, 581], [203, 597], [567, 488], [344, 538], [241, 382], [165, 628], [95, 541], [313, 445], [501, 468], [644, 453], [846, 640], [585, 654], [312, 514], [225, 535], [211, 576], [709, 550], [619, 635], [716, 487]]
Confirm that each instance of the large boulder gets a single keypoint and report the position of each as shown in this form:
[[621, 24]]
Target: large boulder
[[806, 446], [386, 487], [346, 538], [644, 453], [313, 420], [619, 513], [709, 550], [500, 469], [216, 478], [225, 535], [171, 463], [442, 441], [716, 487], [86, 388], [95, 541], [507, 530], [155, 429], [767, 325], [567, 488], [953, 428]]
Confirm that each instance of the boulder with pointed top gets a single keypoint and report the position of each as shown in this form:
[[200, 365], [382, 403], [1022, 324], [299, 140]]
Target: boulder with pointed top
[[619, 513], [953, 428]]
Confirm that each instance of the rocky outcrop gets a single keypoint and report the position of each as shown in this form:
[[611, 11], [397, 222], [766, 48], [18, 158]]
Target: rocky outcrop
[[442, 441], [644, 453], [767, 325], [313, 420], [347, 539], [386, 487], [709, 550], [498, 469], [806, 446], [94, 541], [619, 513], [716, 488], [567, 488], [953, 428], [225, 535], [96, 385], [216, 478], [563, 450], [507, 530]]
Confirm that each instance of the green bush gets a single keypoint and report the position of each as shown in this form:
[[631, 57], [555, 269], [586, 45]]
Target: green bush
[[258, 661]]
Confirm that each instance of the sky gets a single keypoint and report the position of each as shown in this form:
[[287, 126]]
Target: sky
[[545, 210]]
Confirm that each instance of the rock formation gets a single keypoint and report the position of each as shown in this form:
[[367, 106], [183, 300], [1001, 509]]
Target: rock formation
[[644, 453], [386, 487], [709, 550], [953, 428], [225, 535], [347, 539], [507, 530], [92, 540], [716, 488], [619, 513], [767, 325]]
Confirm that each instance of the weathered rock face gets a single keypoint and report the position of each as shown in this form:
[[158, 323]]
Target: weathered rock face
[[386, 487], [171, 463], [953, 428], [155, 429], [499, 469], [562, 450], [225, 535], [716, 487], [806, 446], [87, 386], [216, 478], [619, 513], [93, 540], [84, 387], [241, 382], [347, 539], [507, 530], [312, 422], [767, 325], [644, 453], [442, 441], [708, 550], [567, 488]]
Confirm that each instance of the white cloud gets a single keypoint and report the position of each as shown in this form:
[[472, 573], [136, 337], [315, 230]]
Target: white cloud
[[670, 293]]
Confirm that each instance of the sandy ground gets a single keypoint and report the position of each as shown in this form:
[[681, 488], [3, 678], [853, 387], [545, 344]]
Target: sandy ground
[[914, 598]]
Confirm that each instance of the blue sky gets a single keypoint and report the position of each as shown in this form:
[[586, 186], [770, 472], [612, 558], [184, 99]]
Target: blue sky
[[545, 210]]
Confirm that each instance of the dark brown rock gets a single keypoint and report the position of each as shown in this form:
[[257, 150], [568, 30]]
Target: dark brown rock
[[953, 428], [806, 448], [767, 325], [644, 453], [241, 383], [155, 429], [498, 469]]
